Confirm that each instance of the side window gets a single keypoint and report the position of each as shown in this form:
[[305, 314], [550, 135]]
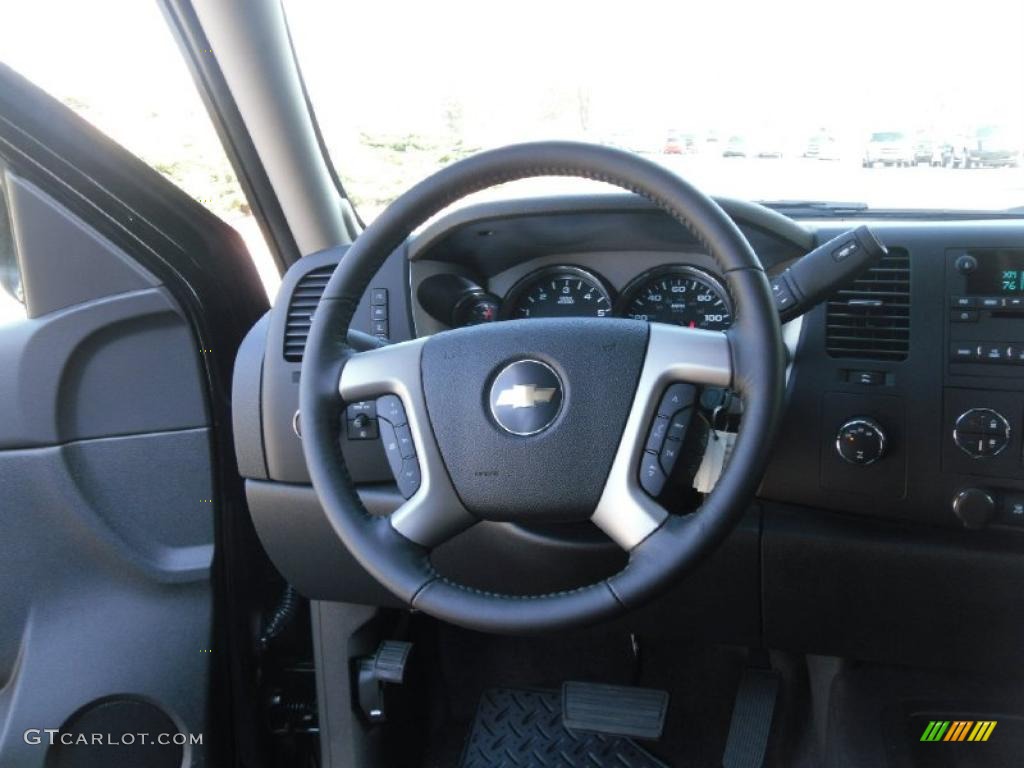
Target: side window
[[120, 69]]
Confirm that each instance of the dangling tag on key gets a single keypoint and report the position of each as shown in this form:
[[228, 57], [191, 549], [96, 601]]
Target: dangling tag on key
[[716, 456]]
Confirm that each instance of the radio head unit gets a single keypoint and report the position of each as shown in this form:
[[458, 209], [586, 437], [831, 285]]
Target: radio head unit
[[985, 324]]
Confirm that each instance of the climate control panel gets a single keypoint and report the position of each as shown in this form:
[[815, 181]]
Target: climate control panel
[[981, 432], [983, 458]]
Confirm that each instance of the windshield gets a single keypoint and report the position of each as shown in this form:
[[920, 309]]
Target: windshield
[[886, 105]]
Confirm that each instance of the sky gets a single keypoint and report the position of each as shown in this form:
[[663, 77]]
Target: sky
[[753, 67], [740, 66], [101, 50]]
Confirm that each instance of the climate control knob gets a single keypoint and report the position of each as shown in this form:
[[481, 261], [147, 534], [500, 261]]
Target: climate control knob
[[861, 441], [974, 507], [981, 433]]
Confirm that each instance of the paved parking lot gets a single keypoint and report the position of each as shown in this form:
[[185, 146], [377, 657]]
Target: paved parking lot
[[847, 181], [795, 178]]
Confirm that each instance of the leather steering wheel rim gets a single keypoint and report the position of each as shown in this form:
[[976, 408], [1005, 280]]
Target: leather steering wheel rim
[[670, 546]]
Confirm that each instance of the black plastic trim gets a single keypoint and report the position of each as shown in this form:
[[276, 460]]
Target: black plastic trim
[[744, 213], [247, 397], [890, 591]]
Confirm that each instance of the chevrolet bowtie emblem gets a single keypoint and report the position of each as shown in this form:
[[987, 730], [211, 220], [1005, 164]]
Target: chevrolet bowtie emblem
[[524, 396]]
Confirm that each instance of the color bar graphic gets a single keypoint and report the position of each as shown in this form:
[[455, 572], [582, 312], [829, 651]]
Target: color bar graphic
[[958, 730]]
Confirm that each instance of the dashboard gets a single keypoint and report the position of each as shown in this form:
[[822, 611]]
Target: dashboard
[[895, 492]]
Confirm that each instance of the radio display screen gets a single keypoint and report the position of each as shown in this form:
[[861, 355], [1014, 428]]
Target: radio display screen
[[999, 273]]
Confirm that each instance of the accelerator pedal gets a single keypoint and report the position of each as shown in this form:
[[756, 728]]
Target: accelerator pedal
[[518, 728]]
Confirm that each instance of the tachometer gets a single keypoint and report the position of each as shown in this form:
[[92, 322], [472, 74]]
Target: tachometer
[[679, 296], [559, 292]]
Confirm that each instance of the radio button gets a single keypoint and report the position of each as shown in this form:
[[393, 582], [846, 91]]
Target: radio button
[[656, 436], [408, 479], [964, 352], [677, 397], [652, 479], [991, 353], [389, 408], [963, 316], [992, 302], [963, 302]]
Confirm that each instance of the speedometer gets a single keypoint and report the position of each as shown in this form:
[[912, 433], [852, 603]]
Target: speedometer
[[559, 292], [679, 296]]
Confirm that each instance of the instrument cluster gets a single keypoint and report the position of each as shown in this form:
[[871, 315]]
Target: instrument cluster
[[677, 294]]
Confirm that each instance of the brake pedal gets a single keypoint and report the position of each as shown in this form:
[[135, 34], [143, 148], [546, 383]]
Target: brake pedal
[[617, 710]]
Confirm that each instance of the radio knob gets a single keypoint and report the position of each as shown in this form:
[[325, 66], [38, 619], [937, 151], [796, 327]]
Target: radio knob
[[966, 264], [975, 507], [861, 441]]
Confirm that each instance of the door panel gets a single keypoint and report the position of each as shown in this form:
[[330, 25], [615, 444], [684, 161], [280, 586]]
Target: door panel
[[106, 471], [116, 366]]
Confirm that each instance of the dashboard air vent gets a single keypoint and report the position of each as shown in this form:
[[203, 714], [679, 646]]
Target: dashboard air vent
[[870, 319], [301, 306]]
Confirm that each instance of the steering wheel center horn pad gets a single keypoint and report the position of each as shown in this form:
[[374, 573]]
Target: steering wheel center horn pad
[[557, 473], [574, 459]]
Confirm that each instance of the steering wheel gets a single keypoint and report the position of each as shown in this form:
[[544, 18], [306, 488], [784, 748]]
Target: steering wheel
[[537, 420]]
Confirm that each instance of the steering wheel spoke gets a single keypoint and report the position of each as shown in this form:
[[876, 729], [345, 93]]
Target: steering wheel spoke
[[626, 512], [432, 512]]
